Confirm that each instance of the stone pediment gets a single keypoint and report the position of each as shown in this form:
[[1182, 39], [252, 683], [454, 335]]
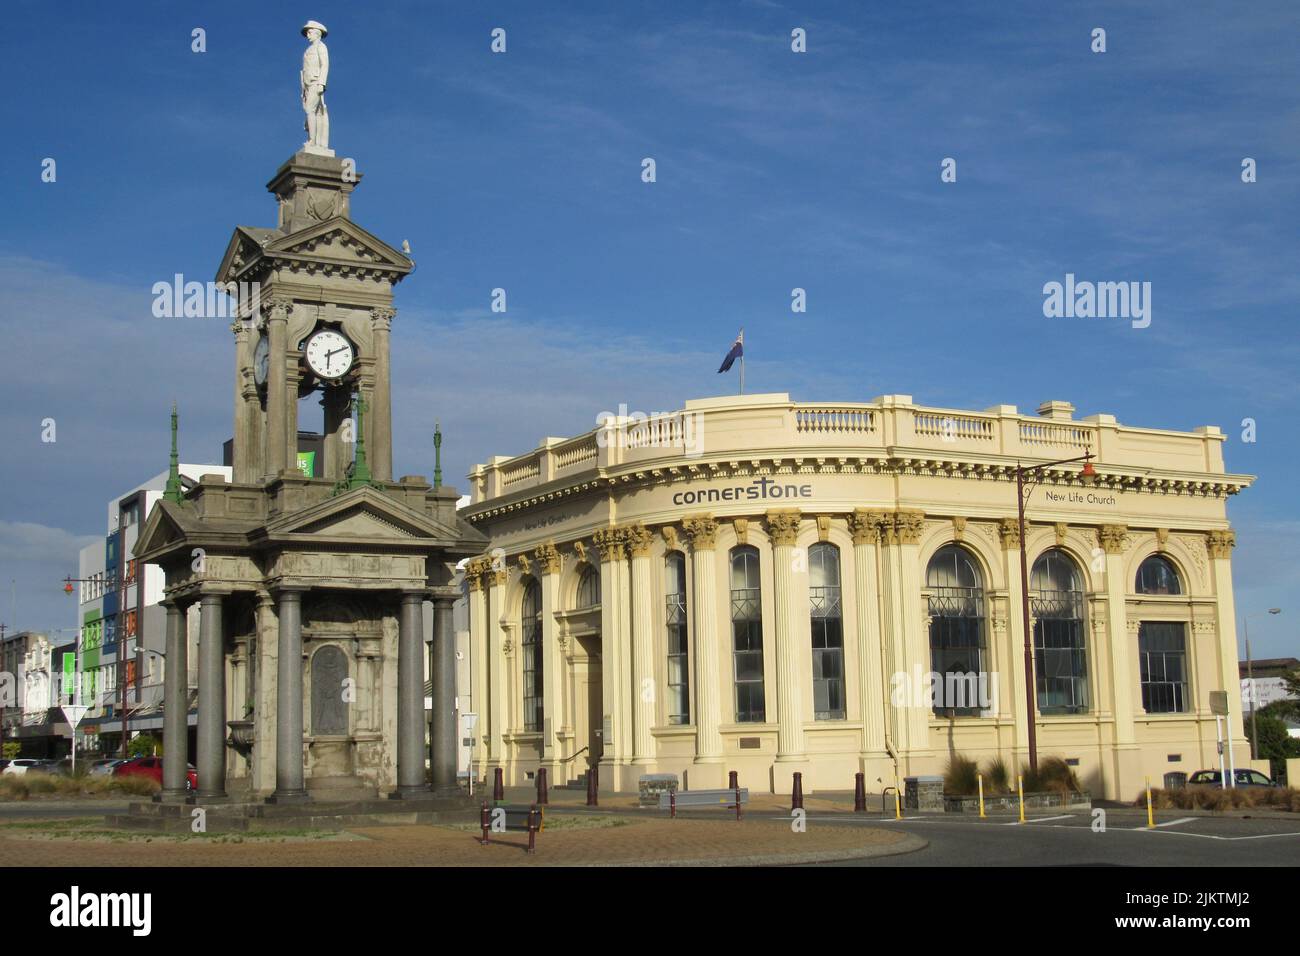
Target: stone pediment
[[336, 243], [362, 514]]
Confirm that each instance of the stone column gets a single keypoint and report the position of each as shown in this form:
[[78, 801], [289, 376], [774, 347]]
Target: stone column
[[496, 661], [609, 541], [702, 530], [1009, 534], [176, 704], [1125, 774], [475, 572], [783, 531], [289, 779], [211, 758], [245, 434], [912, 629], [872, 668], [277, 442], [379, 424], [442, 743], [548, 564], [643, 665], [410, 697]]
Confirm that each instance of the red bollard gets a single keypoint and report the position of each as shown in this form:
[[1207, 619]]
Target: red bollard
[[672, 804], [484, 820], [593, 786], [733, 780], [796, 792], [533, 814], [859, 793], [541, 786], [499, 785], [737, 791]]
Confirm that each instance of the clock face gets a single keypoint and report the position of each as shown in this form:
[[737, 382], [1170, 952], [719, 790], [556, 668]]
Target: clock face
[[329, 354], [261, 360]]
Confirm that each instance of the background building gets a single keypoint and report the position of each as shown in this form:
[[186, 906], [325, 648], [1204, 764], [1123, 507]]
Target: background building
[[766, 586]]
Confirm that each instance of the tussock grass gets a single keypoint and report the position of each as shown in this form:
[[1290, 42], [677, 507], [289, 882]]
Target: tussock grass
[[45, 785]]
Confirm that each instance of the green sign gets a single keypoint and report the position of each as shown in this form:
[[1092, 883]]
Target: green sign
[[307, 463], [69, 675]]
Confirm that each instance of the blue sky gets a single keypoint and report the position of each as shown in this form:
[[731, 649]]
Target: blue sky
[[775, 170]]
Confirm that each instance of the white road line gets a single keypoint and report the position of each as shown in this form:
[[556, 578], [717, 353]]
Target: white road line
[[1016, 823], [1174, 823]]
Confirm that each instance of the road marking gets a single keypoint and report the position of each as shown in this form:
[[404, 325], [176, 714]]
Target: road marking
[[1016, 823], [1174, 823]]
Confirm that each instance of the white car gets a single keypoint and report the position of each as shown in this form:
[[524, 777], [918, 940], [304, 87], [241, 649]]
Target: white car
[[104, 768], [23, 764]]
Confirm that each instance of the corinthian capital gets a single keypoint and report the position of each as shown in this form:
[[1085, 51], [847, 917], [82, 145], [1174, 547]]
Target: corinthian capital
[[1113, 538], [548, 559], [381, 318], [702, 530], [783, 526], [610, 543], [278, 307], [1009, 530], [908, 525], [1221, 543], [638, 539], [865, 525]]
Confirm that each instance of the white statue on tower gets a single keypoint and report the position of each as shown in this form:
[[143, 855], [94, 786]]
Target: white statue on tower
[[313, 78]]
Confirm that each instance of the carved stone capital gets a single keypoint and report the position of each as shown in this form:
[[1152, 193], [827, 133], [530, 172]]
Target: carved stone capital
[[610, 543], [865, 526], [1221, 543], [278, 308], [381, 318], [507, 645], [908, 526], [638, 539], [548, 559], [475, 570], [525, 564], [702, 530], [783, 526], [1113, 538], [1009, 532]]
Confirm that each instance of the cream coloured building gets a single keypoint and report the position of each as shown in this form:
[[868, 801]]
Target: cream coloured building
[[766, 586]]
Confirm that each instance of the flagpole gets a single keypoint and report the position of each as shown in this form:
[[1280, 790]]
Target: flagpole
[[742, 373]]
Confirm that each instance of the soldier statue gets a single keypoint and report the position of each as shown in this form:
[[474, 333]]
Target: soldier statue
[[313, 78]]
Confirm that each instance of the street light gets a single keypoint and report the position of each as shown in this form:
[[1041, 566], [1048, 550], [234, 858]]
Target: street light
[[1250, 676], [1026, 479]]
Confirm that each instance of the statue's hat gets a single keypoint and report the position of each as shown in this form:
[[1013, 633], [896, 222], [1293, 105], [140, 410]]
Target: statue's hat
[[314, 24]]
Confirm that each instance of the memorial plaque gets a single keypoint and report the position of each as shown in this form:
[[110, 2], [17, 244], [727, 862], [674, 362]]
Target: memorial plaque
[[329, 709]]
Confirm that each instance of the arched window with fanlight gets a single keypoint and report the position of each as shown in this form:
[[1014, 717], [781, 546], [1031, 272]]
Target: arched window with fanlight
[[1162, 644], [747, 634], [588, 588], [531, 646], [679, 686], [1060, 657], [955, 599], [827, 631]]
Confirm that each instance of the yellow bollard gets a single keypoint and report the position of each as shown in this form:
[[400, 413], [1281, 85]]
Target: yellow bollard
[[1020, 789], [1151, 813], [980, 780], [898, 802]]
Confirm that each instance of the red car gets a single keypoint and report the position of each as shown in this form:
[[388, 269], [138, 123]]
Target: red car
[[152, 767]]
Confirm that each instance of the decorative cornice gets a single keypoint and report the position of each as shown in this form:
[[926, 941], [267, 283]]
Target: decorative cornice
[[638, 538], [1113, 538], [702, 530], [610, 543], [1221, 543], [548, 559], [783, 526]]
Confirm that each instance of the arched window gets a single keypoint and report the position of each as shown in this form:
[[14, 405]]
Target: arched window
[[531, 645], [1157, 575], [588, 588], [679, 687], [827, 631], [1060, 659], [956, 605], [747, 634]]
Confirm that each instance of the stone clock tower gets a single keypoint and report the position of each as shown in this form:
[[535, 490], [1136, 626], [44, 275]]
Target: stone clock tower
[[311, 591]]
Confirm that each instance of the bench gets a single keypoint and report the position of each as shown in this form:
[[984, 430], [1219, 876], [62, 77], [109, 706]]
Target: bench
[[512, 819], [730, 798]]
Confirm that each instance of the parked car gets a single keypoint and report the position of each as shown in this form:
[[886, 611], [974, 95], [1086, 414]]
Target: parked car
[[104, 766], [1243, 778], [25, 765], [3, 763], [152, 767]]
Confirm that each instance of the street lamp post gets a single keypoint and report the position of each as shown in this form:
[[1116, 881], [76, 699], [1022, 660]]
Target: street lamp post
[[1026, 479], [1250, 676]]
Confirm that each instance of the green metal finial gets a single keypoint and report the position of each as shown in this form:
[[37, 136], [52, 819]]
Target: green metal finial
[[359, 472], [174, 491], [437, 455]]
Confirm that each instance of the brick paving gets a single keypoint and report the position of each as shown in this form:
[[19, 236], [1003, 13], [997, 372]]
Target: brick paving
[[641, 841]]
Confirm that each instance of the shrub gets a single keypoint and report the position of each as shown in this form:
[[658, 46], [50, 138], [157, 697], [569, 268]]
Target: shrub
[[959, 777], [1218, 800], [997, 778]]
